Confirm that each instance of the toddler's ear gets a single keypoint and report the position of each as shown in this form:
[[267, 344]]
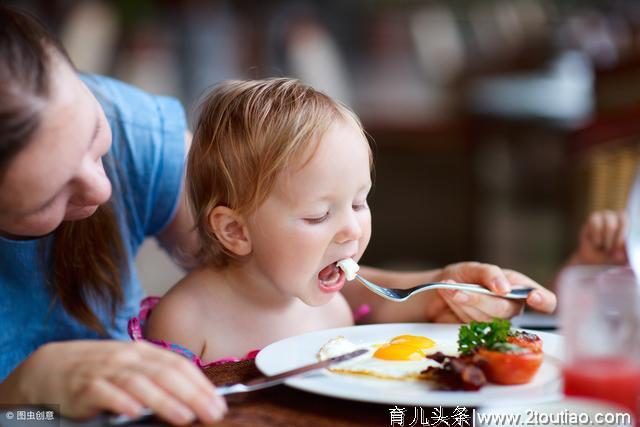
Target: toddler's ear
[[230, 228]]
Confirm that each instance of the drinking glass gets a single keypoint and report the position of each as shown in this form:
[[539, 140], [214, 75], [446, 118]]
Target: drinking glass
[[600, 319], [632, 241]]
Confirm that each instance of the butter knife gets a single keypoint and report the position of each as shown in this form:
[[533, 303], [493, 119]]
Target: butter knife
[[252, 385]]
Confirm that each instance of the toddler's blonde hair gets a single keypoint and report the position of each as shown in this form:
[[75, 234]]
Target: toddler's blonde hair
[[247, 133]]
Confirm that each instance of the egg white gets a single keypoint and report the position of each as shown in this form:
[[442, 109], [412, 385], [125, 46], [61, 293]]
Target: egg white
[[379, 368]]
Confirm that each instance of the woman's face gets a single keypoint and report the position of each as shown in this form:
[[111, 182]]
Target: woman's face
[[58, 176]]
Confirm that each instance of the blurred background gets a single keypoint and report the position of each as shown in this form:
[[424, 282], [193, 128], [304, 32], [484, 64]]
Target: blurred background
[[498, 124]]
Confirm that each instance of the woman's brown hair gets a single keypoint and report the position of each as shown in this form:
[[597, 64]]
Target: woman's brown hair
[[87, 258]]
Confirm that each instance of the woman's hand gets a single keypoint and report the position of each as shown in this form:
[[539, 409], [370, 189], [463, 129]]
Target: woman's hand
[[447, 306], [87, 377], [466, 306]]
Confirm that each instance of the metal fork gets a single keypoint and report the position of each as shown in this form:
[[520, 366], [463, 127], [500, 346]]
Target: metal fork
[[399, 295]]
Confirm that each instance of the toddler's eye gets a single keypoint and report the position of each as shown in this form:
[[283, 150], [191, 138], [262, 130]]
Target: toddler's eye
[[360, 206], [317, 220]]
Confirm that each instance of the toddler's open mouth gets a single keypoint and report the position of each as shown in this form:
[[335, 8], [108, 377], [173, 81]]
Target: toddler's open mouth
[[331, 278]]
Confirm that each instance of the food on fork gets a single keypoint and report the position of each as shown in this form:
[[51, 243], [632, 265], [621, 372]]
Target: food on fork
[[350, 268]]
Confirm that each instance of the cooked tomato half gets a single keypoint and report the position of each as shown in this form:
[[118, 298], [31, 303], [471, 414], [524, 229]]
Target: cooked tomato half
[[526, 340], [509, 368]]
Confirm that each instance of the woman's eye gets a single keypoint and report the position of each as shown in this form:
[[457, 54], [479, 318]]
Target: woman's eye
[[317, 220]]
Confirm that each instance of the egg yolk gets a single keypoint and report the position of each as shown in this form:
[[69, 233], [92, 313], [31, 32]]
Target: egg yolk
[[399, 352], [405, 347], [422, 343]]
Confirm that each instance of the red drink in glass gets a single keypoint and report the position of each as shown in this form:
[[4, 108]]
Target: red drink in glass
[[600, 314], [613, 379]]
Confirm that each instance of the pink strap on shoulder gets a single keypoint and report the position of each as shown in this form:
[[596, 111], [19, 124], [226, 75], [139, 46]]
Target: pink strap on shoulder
[[136, 325]]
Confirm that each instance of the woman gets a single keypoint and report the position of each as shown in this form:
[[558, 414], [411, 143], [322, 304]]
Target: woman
[[89, 167]]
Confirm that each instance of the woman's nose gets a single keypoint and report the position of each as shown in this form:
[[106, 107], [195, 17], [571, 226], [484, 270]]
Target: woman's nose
[[93, 185], [350, 230]]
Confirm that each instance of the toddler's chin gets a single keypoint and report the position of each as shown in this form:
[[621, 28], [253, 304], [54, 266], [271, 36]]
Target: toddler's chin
[[317, 300]]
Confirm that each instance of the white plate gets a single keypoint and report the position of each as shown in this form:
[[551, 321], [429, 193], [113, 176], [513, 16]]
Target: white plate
[[301, 350]]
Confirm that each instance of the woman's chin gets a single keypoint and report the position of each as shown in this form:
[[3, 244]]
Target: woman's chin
[[81, 213]]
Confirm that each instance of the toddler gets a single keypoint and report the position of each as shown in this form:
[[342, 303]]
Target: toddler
[[278, 177]]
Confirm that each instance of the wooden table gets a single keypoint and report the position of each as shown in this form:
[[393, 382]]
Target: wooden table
[[285, 406]]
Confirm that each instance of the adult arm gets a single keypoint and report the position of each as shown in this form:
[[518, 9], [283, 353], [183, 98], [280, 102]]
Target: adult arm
[[87, 377], [179, 238]]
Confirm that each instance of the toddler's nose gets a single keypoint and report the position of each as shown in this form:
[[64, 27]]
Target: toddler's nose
[[351, 229]]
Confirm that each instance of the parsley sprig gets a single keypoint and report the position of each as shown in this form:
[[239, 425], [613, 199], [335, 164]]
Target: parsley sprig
[[482, 334]]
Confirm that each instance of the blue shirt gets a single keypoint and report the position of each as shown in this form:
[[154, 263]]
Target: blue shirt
[[146, 166]]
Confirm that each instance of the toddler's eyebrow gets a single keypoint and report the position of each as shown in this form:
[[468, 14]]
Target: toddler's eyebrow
[[329, 196]]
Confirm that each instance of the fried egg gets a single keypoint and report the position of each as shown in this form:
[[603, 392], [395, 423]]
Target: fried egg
[[401, 358]]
